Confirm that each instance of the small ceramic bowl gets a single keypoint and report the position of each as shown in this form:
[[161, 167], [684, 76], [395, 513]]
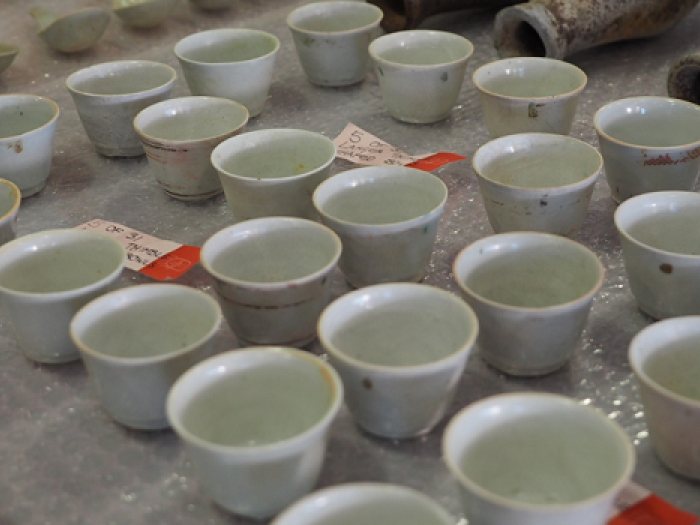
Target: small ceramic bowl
[[273, 172], [8, 52], [332, 38], [74, 32], [272, 277], [649, 144], [537, 459], [400, 349], [135, 342], [27, 131], [528, 94], [255, 424], [46, 277], [143, 13], [420, 73], [179, 135], [537, 182], [116, 92], [532, 293], [665, 357], [387, 218], [230, 63], [10, 198], [661, 252], [375, 503]]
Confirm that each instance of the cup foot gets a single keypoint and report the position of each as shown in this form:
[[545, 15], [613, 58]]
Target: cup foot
[[192, 198], [32, 190], [525, 372], [108, 151], [297, 343]]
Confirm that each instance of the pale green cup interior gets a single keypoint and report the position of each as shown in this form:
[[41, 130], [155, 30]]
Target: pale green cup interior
[[66, 265], [275, 255], [229, 48], [325, 17], [539, 276], [20, 115], [419, 48], [121, 79], [259, 403], [529, 78], [277, 158], [150, 327]]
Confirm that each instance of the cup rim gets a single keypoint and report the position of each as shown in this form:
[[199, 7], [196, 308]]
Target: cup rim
[[277, 285], [301, 11], [683, 325], [46, 235], [159, 106], [131, 293], [119, 6], [549, 398], [126, 64], [381, 172], [558, 63], [611, 106], [652, 196], [337, 493], [549, 237], [273, 133], [225, 31], [335, 387], [18, 198], [427, 32], [7, 49], [554, 138], [50, 122], [411, 370]]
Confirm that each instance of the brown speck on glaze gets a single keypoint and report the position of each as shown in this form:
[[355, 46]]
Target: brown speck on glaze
[[18, 146], [666, 268], [367, 383]]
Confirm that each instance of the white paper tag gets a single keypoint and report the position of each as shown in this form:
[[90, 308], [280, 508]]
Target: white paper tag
[[358, 146], [141, 249]]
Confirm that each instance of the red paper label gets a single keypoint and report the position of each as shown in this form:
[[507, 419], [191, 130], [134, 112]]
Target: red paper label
[[433, 162], [652, 510], [172, 265]]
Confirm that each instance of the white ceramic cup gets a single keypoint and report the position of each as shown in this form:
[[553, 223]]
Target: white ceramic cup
[[365, 503], [10, 198], [230, 63], [255, 425], [272, 277], [332, 40], [532, 293], [387, 218], [661, 251], [649, 144], [178, 136], [108, 96], [46, 277], [536, 459], [529, 94], [273, 172], [664, 357], [400, 349], [135, 342], [420, 73], [537, 182], [27, 130]]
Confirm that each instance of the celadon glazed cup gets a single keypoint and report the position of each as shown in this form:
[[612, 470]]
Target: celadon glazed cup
[[230, 63], [255, 424], [272, 277], [387, 218], [27, 131], [8, 52], [649, 144], [536, 459], [370, 503], [10, 198], [420, 73], [114, 93], [529, 94], [135, 342], [213, 5], [661, 251], [532, 293], [273, 172], [332, 40], [143, 13], [179, 135], [400, 349], [46, 277], [664, 357], [72, 32], [537, 182]]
